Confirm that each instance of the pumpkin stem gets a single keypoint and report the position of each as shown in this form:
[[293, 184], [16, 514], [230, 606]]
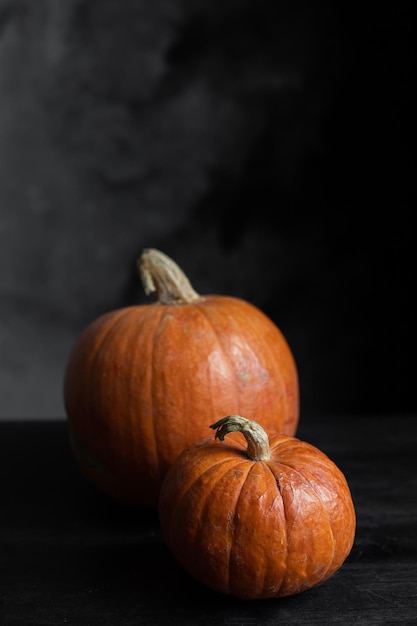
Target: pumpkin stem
[[258, 442], [161, 275]]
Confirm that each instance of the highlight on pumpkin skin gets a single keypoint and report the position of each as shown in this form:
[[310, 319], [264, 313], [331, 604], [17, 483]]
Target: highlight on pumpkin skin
[[256, 437]]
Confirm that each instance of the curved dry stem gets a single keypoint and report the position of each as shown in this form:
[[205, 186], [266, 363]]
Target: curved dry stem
[[161, 275], [258, 442]]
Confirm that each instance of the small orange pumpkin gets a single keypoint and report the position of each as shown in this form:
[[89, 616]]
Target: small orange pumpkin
[[142, 382], [268, 521]]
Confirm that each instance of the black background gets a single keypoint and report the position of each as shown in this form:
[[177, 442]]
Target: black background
[[268, 147]]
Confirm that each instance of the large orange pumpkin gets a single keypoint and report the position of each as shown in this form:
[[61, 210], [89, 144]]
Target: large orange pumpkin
[[268, 520], [142, 382]]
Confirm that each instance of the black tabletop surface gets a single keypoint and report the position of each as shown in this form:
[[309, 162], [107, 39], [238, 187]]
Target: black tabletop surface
[[70, 555]]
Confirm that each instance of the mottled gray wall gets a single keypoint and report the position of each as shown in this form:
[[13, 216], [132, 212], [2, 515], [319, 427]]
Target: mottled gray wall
[[256, 143]]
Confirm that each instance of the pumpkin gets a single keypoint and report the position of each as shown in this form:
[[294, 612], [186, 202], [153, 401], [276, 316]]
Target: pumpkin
[[143, 381], [266, 518]]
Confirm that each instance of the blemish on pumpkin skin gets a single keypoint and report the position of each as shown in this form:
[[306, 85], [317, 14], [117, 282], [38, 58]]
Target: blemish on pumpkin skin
[[245, 377], [229, 523], [235, 473], [264, 376]]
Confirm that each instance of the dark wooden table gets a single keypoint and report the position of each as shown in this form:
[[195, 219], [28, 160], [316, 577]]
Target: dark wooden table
[[70, 555]]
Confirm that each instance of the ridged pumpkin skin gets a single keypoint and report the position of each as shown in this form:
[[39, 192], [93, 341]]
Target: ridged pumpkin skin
[[257, 529], [143, 382]]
